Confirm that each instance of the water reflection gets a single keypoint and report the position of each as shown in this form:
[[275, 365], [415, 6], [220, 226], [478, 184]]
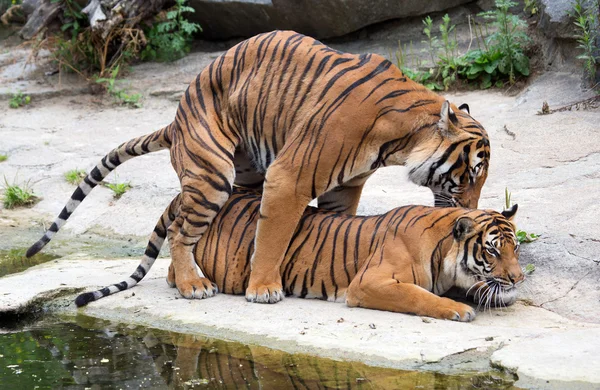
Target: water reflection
[[89, 353], [14, 260]]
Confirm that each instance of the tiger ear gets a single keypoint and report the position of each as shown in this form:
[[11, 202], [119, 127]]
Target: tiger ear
[[447, 116], [463, 228], [465, 107], [510, 213]]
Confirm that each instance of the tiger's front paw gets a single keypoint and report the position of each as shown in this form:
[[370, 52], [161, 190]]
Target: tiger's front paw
[[265, 293], [197, 287], [455, 311]]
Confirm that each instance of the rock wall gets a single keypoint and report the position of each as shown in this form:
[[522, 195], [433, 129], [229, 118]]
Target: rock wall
[[221, 19], [560, 49]]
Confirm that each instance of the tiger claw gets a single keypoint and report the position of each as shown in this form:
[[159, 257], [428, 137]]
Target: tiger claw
[[200, 288], [270, 293]]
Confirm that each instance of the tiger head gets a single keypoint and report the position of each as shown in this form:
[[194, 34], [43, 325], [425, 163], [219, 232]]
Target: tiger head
[[453, 162], [487, 257]]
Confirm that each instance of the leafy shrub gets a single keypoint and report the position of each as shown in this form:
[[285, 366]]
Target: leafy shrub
[[587, 34], [501, 57], [422, 77], [507, 43], [19, 100], [449, 62], [170, 38]]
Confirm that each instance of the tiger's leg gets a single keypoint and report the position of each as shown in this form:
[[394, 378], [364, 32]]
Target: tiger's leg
[[381, 291], [283, 203], [345, 198], [206, 183]]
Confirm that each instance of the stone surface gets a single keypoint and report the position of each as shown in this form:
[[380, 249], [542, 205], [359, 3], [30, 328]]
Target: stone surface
[[319, 18], [555, 20], [521, 336], [537, 356]]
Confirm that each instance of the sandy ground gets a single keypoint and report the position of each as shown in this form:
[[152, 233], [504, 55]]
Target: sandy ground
[[551, 164]]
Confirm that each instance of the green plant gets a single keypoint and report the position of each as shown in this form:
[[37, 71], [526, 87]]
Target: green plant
[[3, 157], [449, 62], [531, 7], [587, 34], [507, 43], [19, 100], [432, 40], [118, 189], [75, 176], [119, 95], [427, 78], [169, 39], [524, 237], [507, 196], [15, 195], [529, 269], [482, 66]]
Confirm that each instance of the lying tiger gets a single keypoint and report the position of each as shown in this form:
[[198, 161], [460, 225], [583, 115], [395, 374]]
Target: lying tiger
[[399, 261]]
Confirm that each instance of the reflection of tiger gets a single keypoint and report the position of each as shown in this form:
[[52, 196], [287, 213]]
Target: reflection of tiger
[[284, 112], [398, 261]]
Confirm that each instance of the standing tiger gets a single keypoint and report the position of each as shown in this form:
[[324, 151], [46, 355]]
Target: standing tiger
[[399, 261], [286, 113]]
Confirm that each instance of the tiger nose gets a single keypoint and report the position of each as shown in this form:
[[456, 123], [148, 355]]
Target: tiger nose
[[515, 276]]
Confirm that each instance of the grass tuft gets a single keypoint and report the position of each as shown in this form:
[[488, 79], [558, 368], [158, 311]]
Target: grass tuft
[[118, 189], [75, 176], [18, 196]]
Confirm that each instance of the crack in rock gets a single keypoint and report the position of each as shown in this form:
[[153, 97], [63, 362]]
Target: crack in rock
[[579, 158], [567, 293], [581, 257]]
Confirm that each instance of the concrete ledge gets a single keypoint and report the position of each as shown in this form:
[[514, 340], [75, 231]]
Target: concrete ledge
[[522, 339]]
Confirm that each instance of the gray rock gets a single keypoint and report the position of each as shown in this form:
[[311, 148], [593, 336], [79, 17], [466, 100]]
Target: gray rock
[[318, 18], [555, 20], [560, 50]]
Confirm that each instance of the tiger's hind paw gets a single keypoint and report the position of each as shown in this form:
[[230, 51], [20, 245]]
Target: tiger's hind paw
[[197, 288], [269, 293]]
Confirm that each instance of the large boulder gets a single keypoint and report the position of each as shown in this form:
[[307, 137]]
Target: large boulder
[[560, 49], [222, 19], [555, 20]]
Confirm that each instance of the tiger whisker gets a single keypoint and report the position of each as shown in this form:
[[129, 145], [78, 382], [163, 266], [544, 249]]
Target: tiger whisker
[[482, 298], [479, 295], [474, 284]]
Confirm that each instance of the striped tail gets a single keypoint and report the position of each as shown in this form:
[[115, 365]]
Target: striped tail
[[136, 147], [152, 249]]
